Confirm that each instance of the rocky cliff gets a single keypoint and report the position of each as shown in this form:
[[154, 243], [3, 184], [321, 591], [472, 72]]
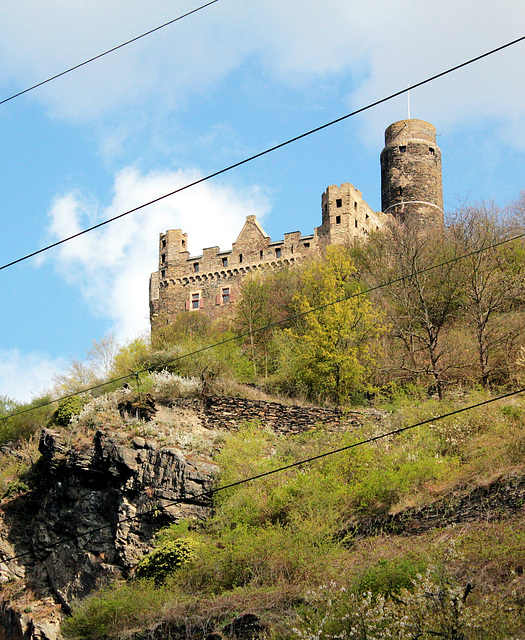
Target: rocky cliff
[[93, 513]]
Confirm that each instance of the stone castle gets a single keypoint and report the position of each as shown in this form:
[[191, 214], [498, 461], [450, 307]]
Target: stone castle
[[411, 185]]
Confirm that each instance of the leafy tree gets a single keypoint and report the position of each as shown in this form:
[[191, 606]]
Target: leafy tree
[[334, 349]]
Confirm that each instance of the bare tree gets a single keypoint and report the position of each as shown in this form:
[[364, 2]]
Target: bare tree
[[492, 278]]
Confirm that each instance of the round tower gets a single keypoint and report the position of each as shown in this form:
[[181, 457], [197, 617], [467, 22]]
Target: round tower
[[411, 183]]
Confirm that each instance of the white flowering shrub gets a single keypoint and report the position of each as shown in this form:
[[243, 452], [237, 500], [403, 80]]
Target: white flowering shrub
[[101, 411], [434, 608], [167, 386]]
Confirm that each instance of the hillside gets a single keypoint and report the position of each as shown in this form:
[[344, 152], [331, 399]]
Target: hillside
[[314, 551]]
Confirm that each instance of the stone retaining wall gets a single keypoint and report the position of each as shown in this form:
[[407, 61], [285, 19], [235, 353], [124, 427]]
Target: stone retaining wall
[[229, 413]]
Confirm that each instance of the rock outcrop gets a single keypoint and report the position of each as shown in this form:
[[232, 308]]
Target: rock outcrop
[[92, 516]]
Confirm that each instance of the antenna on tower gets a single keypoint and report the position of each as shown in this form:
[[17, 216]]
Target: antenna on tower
[[408, 100]]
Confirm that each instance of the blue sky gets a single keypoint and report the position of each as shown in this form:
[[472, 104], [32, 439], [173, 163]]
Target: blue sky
[[203, 93]]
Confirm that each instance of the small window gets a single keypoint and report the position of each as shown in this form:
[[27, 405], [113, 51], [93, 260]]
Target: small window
[[291, 249], [164, 242], [225, 262], [337, 219], [261, 254], [196, 267], [195, 300], [326, 208], [163, 258], [163, 273], [184, 243], [355, 205], [278, 252], [402, 149], [306, 245], [226, 296], [431, 151], [240, 258], [339, 203], [367, 216], [356, 224]]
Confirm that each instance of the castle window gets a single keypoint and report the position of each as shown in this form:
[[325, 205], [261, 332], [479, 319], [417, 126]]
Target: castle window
[[339, 203], [367, 216], [291, 249], [164, 242], [261, 254], [431, 151], [356, 224], [226, 295], [402, 149], [225, 262], [240, 258], [196, 267], [163, 258], [306, 245], [163, 273], [355, 205], [337, 219], [196, 301], [184, 243], [278, 252]]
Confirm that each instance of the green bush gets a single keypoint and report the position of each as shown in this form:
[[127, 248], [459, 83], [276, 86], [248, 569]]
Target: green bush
[[67, 408], [390, 576], [106, 614], [166, 559], [23, 426]]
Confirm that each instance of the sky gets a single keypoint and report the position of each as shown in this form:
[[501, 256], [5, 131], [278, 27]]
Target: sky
[[205, 92]]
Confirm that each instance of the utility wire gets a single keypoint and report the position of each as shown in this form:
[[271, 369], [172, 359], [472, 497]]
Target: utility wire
[[265, 327], [262, 153], [206, 495], [100, 55]]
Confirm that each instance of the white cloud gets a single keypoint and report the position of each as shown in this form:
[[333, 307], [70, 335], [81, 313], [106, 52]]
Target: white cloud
[[382, 46], [111, 266], [24, 376]]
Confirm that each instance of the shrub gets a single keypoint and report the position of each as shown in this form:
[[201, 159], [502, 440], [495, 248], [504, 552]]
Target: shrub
[[67, 408], [105, 615], [166, 559]]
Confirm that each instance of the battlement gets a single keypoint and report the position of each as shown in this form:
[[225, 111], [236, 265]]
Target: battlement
[[211, 282]]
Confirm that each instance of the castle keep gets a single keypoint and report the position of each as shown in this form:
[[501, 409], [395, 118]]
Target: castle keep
[[410, 186]]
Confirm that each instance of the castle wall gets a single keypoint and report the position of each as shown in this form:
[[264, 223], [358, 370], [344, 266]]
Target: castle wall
[[212, 281], [410, 186]]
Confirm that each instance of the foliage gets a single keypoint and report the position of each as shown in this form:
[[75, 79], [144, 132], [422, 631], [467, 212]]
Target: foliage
[[333, 350], [168, 386], [165, 559], [68, 408], [32, 416], [434, 606], [111, 610]]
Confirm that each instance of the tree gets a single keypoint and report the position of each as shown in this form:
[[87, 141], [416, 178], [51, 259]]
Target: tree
[[493, 279], [266, 299], [334, 348], [421, 302]]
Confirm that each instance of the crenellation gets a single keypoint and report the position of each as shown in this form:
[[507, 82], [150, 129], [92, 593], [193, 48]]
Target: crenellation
[[211, 282]]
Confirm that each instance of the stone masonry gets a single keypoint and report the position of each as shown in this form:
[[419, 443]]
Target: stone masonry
[[211, 282]]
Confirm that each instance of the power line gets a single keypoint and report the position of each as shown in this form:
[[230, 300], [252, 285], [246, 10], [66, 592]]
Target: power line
[[100, 55], [206, 495], [261, 153], [270, 325]]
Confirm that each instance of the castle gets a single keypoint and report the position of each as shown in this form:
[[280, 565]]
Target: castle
[[411, 185]]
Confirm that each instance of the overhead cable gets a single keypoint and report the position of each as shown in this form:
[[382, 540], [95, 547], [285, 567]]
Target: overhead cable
[[261, 153], [101, 55], [265, 327], [206, 495]]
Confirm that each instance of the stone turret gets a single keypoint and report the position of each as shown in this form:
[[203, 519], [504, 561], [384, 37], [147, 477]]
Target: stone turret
[[411, 183]]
